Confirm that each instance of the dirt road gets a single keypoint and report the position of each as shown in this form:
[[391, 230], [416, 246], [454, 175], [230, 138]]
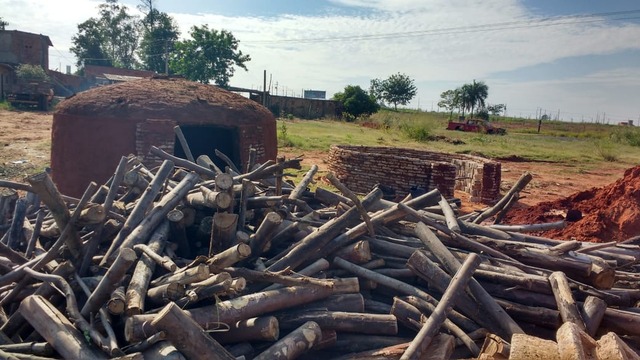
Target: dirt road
[[25, 141]]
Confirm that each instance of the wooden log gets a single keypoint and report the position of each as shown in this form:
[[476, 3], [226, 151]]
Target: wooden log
[[357, 253], [259, 241], [574, 343], [316, 240], [294, 344], [187, 336], [33, 348], [139, 284], [434, 322], [117, 303], [362, 323], [449, 215], [526, 347], [229, 257], [110, 281], [464, 323], [31, 244], [592, 313], [494, 348], [537, 315], [183, 163], [8, 197], [248, 189], [349, 343], [611, 346], [158, 213], [354, 199], [142, 205], [191, 275], [163, 294], [178, 232], [163, 350], [501, 319], [264, 328], [45, 188], [183, 142], [311, 270], [223, 232], [566, 303], [163, 261], [441, 348], [247, 306], [56, 329], [517, 188], [16, 232]]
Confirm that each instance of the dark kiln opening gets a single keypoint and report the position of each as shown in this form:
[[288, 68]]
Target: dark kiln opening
[[205, 139]]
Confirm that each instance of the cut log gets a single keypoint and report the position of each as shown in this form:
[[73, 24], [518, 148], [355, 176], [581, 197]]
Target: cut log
[[187, 336], [223, 232], [57, 329], [610, 346], [592, 312], [526, 347], [574, 343], [294, 344], [566, 303]]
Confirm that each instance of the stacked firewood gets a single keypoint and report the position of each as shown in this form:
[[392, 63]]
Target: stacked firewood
[[192, 261]]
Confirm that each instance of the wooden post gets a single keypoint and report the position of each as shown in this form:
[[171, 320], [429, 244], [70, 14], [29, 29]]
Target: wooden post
[[56, 329], [294, 344], [566, 304], [434, 322], [187, 336]]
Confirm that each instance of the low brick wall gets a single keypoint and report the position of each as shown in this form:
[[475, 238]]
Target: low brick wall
[[404, 170]]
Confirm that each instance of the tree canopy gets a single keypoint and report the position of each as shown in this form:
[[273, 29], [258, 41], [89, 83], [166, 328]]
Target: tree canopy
[[3, 23], [159, 34], [474, 94], [356, 101], [209, 55], [450, 99], [397, 89], [109, 39]]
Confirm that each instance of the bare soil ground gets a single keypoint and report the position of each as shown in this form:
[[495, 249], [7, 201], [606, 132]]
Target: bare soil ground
[[25, 140]]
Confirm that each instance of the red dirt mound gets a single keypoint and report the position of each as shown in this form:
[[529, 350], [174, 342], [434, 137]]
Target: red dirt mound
[[610, 213]]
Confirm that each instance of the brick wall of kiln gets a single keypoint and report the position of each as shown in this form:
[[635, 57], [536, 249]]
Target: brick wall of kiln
[[361, 168]]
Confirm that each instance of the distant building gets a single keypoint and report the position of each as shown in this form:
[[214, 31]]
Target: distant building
[[19, 47], [315, 94]]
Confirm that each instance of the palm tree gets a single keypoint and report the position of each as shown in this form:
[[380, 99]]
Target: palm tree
[[474, 94]]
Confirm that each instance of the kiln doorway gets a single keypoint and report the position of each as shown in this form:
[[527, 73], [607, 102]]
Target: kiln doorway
[[205, 139]]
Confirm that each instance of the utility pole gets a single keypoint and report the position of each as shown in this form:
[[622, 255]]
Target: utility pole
[[264, 89], [166, 57]]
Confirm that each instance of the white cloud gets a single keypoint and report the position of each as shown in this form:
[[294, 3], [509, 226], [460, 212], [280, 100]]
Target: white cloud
[[433, 56]]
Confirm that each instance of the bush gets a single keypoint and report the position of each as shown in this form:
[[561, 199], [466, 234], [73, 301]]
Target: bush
[[606, 150], [629, 135], [31, 73], [416, 132], [356, 102]]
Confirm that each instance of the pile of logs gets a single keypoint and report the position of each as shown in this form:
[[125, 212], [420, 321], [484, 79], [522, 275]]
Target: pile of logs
[[192, 261]]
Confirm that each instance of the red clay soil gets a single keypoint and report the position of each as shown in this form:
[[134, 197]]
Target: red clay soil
[[610, 213]]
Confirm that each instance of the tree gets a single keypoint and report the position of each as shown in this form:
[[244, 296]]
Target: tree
[[450, 100], [208, 55], [474, 94], [356, 101], [397, 89], [3, 23], [496, 109], [110, 39], [159, 34], [375, 91], [30, 72]]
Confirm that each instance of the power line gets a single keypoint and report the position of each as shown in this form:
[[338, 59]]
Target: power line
[[509, 25]]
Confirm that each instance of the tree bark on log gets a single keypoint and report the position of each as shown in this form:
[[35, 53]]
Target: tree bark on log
[[566, 303], [45, 188], [109, 281], [592, 313], [501, 319], [57, 329], [247, 306], [223, 232], [294, 344], [139, 284], [187, 336], [138, 213], [434, 322], [363, 323], [264, 328]]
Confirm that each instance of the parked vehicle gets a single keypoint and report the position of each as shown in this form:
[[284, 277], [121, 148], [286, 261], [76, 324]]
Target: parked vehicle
[[475, 125], [36, 94]]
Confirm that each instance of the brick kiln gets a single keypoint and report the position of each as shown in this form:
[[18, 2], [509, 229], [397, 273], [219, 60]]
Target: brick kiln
[[362, 167], [93, 129]]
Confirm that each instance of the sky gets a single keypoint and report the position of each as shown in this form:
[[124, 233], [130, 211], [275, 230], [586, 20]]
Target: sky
[[578, 60]]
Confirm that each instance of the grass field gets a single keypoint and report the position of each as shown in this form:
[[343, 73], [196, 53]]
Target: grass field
[[586, 144]]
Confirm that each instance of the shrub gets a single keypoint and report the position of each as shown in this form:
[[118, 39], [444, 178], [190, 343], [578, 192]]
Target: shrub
[[416, 132], [31, 72], [629, 135], [356, 102], [606, 150]]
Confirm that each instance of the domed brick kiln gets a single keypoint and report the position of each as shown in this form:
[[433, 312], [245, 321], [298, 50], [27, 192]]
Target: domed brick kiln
[[94, 129]]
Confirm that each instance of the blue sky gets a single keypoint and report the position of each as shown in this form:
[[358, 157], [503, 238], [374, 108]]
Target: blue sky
[[572, 56]]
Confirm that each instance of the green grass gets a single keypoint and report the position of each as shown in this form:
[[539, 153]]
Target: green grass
[[578, 143], [5, 105]]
